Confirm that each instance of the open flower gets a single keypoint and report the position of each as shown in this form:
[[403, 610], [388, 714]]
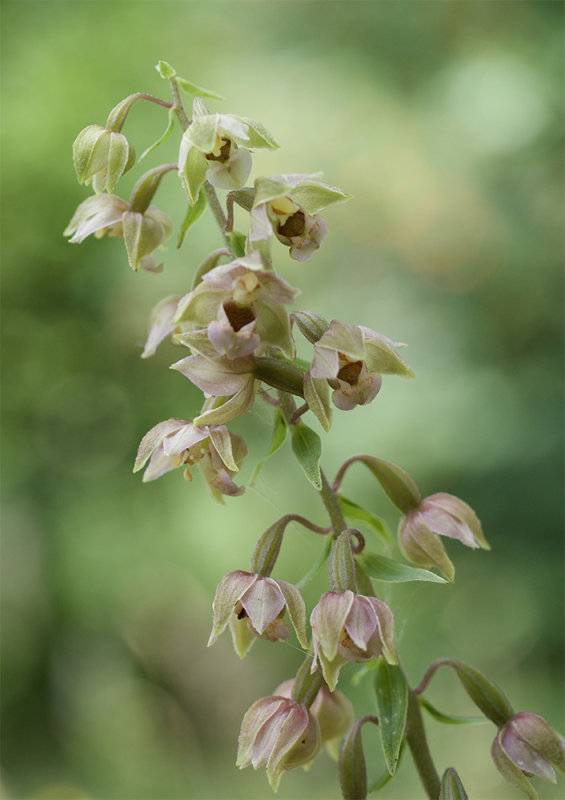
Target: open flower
[[526, 746], [178, 442], [215, 147], [241, 305], [439, 515], [254, 607], [143, 232], [280, 734], [288, 206], [352, 358], [350, 627], [333, 711]]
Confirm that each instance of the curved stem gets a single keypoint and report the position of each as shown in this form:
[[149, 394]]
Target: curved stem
[[178, 104], [330, 501], [217, 210], [418, 744]]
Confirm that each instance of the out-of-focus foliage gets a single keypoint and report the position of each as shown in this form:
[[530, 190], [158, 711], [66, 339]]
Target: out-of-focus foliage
[[443, 119]]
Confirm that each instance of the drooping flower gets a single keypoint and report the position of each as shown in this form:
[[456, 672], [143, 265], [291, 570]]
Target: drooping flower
[[528, 746], [143, 232], [333, 711], [280, 734], [352, 358], [178, 442], [350, 627], [216, 148], [439, 515], [254, 607], [288, 207]]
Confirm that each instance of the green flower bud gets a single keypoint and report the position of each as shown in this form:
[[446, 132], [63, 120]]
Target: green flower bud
[[101, 156]]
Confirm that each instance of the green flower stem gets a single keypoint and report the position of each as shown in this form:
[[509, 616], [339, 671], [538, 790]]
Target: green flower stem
[[330, 501], [117, 115], [217, 210], [281, 375], [178, 105], [418, 744]]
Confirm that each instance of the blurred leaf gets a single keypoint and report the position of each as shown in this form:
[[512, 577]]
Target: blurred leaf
[[279, 435], [387, 569], [197, 91], [317, 565], [307, 447], [391, 692], [449, 719], [352, 511], [163, 138], [194, 212], [165, 70], [451, 786]]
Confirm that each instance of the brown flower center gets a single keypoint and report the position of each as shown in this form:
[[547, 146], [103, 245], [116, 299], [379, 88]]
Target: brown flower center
[[350, 372], [238, 316], [294, 226], [223, 155]]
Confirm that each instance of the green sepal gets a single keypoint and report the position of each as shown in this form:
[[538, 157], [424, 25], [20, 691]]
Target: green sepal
[[386, 569], [451, 786], [317, 565], [307, 447], [208, 264], [193, 173], [315, 196], [193, 214], [391, 692], [236, 241], [259, 136], [448, 719], [273, 326], [202, 133], [317, 395], [279, 435], [161, 139], [243, 197], [354, 512]]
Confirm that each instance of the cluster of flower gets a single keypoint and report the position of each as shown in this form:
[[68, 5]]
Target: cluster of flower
[[236, 324]]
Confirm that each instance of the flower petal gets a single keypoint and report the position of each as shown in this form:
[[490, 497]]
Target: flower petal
[[228, 593], [263, 602], [154, 438], [328, 620], [296, 610], [361, 621]]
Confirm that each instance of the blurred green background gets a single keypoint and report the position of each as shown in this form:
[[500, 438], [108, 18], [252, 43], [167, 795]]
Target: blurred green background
[[443, 120]]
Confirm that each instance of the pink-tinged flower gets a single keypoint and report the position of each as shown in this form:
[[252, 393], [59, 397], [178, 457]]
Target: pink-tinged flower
[[288, 206], [528, 746], [162, 324], [439, 515], [280, 734], [350, 627], [254, 607], [352, 358], [143, 232], [333, 711], [178, 442]]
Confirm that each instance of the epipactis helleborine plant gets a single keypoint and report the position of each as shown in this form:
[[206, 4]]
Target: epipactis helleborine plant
[[234, 318]]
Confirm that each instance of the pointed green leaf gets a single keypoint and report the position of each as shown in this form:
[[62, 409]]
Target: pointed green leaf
[[165, 70], [317, 395], [237, 243], [315, 196], [193, 213], [164, 137], [307, 447], [279, 435], [448, 719], [317, 565], [387, 569], [197, 91], [391, 692], [354, 512], [243, 197]]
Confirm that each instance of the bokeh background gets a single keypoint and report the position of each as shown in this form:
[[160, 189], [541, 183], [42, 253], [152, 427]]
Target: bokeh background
[[443, 119]]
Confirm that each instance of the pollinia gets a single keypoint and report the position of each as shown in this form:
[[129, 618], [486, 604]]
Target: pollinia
[[236, 335]]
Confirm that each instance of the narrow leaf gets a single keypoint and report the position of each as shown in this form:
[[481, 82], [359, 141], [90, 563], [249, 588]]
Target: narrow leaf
[[317, 565], [279, 435], [387, 569], [164, 137], [448, 719], [391, 692], [193, 213], [237, 243], [381, 782], [197, 91], [307, 447], [352, 511]]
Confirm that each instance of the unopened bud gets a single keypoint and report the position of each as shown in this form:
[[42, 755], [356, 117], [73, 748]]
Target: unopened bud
[[451, 786], [352, 769], [101, 156]]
